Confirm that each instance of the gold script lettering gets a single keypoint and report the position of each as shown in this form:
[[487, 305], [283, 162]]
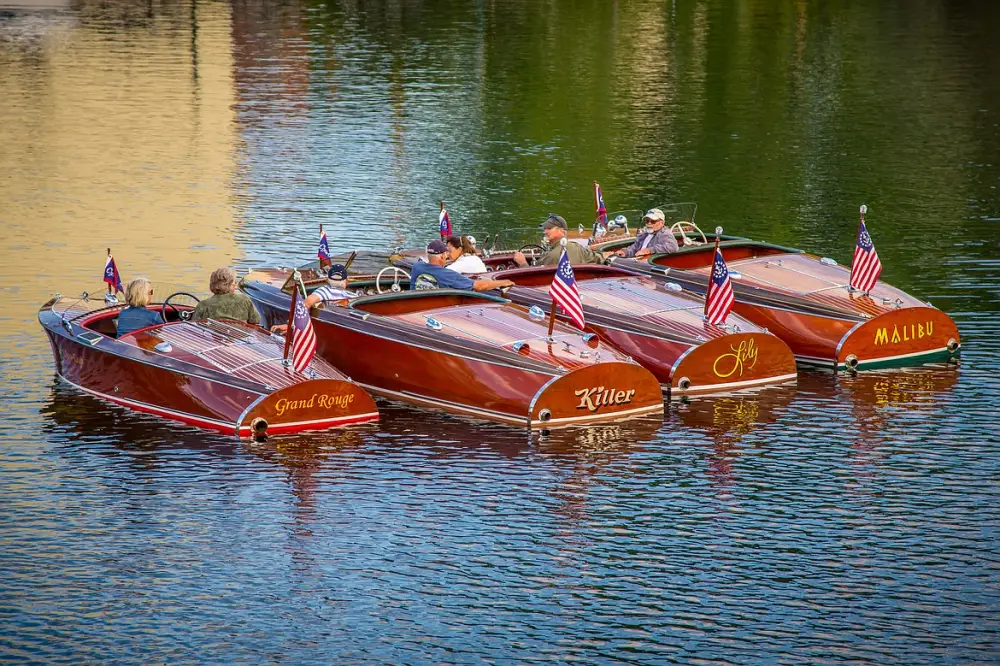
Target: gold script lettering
[[881, 336], [594, 398], [746, 351], [325, 401]]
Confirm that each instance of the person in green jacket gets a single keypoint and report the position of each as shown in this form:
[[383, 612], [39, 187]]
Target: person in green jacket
[[226, 302], [555, 230]]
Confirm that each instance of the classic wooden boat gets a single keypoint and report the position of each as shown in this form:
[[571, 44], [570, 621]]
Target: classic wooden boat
[[662, 328], [806, 301], [219, 375], [468, 353]]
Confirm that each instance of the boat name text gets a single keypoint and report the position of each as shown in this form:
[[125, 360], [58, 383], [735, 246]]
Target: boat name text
[[743, 357], [597, 397], [911, 332], [318, 399]]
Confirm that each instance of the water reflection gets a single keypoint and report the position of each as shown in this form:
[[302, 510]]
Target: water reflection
[[728, 421]]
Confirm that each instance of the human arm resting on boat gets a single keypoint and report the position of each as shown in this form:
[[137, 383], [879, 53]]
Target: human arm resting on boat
[[486, 285]]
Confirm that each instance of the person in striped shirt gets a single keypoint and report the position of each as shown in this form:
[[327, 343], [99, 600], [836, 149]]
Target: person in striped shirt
[[334, 290]]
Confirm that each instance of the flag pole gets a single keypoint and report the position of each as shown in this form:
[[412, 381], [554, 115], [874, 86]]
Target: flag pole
[[857, 237], [711, 272], [552, 312], [290, 332]]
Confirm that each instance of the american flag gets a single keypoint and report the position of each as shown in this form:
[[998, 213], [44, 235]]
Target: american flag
[[719, 299], [444, 221], [324, 248], [304, 342], [602, 212], [565, 292], [866, 267], [111, 275]]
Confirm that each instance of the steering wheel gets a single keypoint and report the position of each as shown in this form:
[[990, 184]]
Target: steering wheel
[[534, 252], [691, 226], [183, 315], [396, 272]]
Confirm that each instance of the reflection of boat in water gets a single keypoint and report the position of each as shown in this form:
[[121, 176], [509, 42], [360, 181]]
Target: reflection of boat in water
[[806, 301], [221, 375], [469, 353]]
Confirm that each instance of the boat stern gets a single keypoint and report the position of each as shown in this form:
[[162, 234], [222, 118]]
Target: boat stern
[[316, 404], [731, 363], [599, 392], [904, 337]]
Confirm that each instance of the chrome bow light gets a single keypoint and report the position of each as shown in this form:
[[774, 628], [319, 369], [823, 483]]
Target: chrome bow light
[[434, 324], [535, 313]]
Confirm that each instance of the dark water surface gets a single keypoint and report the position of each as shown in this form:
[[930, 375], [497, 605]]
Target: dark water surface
[[848, 519]]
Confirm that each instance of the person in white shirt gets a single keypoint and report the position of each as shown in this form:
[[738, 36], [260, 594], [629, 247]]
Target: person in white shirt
[[463, 257]]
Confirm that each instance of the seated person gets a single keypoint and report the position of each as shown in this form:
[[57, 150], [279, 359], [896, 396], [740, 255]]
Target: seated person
[[334, 290], [462, 255], [432, 273], [226, 302], [136, 316], [656, 238], [555, 230]]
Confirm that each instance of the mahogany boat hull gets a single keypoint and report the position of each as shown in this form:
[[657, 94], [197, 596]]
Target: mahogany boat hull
[[827, 327], [142, 380], [687, 356], [418, 370]]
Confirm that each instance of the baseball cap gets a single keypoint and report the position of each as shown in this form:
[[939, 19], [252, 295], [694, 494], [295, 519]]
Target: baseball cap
[[654, 215], [554, 221], [436, 247], [337, 272]]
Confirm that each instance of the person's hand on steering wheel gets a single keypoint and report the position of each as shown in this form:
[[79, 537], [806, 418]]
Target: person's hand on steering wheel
[[519, 259]]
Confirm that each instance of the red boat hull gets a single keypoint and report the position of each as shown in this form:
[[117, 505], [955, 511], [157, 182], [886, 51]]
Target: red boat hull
[[404, 364], [140, 378]]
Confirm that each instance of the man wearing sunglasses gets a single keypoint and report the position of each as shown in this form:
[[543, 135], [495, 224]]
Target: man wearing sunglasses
[[555, 230], [656, 238]]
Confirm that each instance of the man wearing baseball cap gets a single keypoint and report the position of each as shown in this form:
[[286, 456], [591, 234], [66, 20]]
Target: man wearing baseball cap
[[555, 230], [432, 274], [656, 238], [334, 290]]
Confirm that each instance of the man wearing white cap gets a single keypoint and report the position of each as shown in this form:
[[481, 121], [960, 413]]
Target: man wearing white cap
[[656, 238]]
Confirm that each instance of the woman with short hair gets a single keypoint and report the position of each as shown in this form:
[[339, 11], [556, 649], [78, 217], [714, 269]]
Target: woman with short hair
[[138, 294], [226, 302], [462, 253]]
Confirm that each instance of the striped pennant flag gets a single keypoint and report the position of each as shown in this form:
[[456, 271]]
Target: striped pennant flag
[[866, 267], [565, 292], [304, 341], [719, 299]]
